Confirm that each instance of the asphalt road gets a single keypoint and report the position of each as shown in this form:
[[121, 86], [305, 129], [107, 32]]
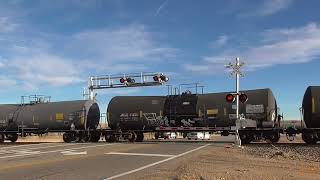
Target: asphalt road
[[91, 160]]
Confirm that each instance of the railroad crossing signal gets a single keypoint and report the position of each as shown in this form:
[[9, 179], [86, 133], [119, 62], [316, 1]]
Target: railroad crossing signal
[[236, 71], [232, 97], [125, 80]]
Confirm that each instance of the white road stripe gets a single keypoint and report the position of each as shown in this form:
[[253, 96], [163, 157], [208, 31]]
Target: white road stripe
[[60, 150], [139, 154], [18, 148], [70, 153], [65, 144], [24, 145], [156, 163]]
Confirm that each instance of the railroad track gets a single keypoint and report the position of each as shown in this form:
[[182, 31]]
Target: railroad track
[[294, 151]]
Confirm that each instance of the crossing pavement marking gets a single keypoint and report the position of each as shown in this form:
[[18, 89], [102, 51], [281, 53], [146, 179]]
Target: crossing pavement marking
[[71, 153], [139, 154], [54, 151]]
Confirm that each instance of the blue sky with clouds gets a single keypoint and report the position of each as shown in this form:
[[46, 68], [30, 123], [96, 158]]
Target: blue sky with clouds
[[51, 47]]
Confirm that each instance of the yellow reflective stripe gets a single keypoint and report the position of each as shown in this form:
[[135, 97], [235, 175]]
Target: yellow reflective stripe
[[212, 111], [313, 106], [59, 116]]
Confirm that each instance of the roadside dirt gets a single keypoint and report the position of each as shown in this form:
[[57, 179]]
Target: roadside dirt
[[226, 162], [254, 161]]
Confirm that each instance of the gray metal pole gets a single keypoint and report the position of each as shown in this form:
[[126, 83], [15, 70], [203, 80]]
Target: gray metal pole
[[237, 86], [91, 95]]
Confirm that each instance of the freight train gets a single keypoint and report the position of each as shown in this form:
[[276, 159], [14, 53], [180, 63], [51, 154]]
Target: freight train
[[78, 120], [129, 117]]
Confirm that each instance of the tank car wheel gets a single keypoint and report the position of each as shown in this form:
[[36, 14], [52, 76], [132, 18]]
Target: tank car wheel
[[85, 138], [110, 138], [95, 136], [13, 137], [156, 135], [140, 137], [274, 137], [68, 137], [1, 138], [309, 138], [245, 139], [132, 137]]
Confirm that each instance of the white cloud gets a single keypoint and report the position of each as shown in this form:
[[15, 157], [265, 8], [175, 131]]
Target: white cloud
[[273, 6], [39, 61], [6, 25], [268, 7], [7, 82], [44, 69], [131, 43], [278, 46], [1, 64], [220, 41]]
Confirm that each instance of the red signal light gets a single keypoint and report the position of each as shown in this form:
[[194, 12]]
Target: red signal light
[[122, 80], [155, 78], [243, 98], [160, 78], [230, 98]]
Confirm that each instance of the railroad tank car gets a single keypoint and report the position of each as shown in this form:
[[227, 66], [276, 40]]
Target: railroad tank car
[[311, 107], [311, 115], [42, 117], [189, 110], [261, 106]]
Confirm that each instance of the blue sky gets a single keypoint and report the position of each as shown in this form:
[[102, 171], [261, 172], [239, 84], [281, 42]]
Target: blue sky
[[52, 48]]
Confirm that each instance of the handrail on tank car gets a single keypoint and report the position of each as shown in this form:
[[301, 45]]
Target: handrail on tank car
[[35, 99]]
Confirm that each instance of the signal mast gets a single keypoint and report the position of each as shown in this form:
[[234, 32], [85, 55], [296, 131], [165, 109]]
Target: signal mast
[[124, 81], [236, 96]]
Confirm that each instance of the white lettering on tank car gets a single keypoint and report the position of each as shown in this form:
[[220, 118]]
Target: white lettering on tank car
[[254, 108], [154, 102], [3, 121], [186, 103]]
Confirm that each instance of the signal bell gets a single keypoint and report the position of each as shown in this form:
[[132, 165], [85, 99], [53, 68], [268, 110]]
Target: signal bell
[[230, 98], [123, 80]]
